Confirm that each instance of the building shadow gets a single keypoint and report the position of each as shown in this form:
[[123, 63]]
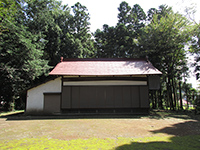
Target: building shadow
[[150, 115], [24, 116]]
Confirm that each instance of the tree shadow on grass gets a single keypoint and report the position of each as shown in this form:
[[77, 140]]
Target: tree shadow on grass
[[184, 114], [174, 143], [181, 129], [185, 136]]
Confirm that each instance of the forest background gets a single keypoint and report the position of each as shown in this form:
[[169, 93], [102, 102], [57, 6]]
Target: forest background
[[34, 34]]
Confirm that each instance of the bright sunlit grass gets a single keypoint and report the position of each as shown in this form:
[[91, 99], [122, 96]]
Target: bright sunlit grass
[[162, 143], [11, 112]]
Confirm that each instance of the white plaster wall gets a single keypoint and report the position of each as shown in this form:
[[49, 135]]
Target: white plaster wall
[[105, 82], [35, 97]]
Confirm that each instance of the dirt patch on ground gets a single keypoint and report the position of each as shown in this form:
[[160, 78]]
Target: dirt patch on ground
[[75, 128]]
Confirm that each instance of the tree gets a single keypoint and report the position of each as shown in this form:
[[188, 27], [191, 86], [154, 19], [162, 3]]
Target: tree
[[66, 35], [120, 41], [115, 42], [124, 13], [47, 17], [195, 40], [21, 61], [21, 58], [151, 12], [163, 40], [8, 9], [193, 93], [138, 18], [105, 42], [188, 93], [133, 18], [80, 30]]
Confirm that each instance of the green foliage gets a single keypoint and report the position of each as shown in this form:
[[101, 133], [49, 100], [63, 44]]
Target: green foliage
[[80, 30], [66, 35], [21, 57], [165, 37], [8, 9], [124, 13], [138, 18], [46, 17], [115, 42], [133, 18]]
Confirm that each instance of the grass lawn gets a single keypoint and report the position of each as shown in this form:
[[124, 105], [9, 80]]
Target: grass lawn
[[160, 130], [2, 114]]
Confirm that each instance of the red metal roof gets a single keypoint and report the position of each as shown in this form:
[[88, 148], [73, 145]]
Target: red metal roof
[[104, 67]]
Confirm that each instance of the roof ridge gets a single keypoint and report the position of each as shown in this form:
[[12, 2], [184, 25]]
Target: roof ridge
[[103, 59]]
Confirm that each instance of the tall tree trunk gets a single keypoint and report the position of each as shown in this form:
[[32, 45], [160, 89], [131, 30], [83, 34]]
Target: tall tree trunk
[[174, 93], [193, 99], [156, 100], [160, 104], [170, 95], [168, 103], [187, 97], [152, 100], [180, 96], [176, 87], [167, 92]]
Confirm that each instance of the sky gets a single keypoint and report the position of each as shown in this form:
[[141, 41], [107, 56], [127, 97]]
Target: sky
[[106, 11]]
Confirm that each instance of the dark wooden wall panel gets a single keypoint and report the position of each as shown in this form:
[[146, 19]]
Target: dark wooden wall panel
[[66, 97], [135, 95], [100, 97], [84, 92], [118, 96], [91, 96], [109, 103], [104, 97], [154, 82], [75, 97], [126, 100], [144, 97]]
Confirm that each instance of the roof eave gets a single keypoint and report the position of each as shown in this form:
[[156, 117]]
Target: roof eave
[[63, 74]]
